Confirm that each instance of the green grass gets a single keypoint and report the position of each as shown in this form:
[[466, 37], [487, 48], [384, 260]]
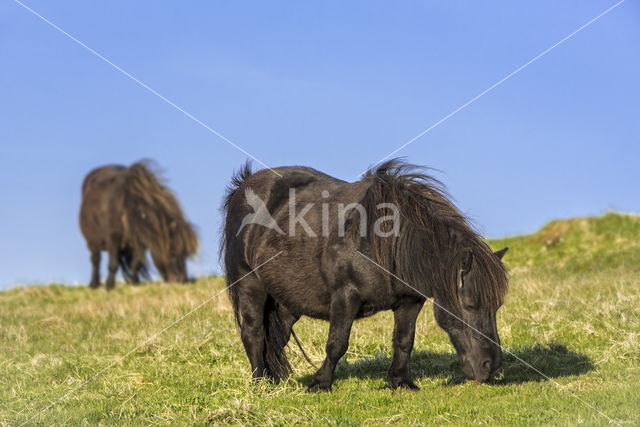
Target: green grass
[[573, 312]]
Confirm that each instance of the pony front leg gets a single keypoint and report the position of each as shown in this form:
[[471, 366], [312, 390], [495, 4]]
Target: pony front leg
[[137, 263], [342, 312], [403, 334], [95, 269]]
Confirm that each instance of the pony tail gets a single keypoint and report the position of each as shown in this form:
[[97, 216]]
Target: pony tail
[[276, 337], [237, 180]]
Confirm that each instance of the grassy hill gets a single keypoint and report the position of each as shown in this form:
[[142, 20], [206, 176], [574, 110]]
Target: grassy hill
[[579, 245], [573, 312]]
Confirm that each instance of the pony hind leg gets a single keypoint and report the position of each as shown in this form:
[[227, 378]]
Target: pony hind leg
[[95, 269], [342, 312], [251, 303], [403, 335], [113, 267]]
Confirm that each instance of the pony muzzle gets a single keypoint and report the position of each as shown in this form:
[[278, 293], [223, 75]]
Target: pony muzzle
[[482, 369]]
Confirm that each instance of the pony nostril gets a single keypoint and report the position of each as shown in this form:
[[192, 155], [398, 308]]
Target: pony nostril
[[486, 366]]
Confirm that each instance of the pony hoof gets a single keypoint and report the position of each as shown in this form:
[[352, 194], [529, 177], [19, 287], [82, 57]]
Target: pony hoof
[[409, 385], [319, 387], [406, 385]]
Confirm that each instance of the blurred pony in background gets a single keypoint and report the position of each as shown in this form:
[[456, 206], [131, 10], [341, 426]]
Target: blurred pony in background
[[127, 210]]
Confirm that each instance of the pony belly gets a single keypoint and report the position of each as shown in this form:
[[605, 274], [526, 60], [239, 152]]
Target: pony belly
[[302, 298], [369, 308]]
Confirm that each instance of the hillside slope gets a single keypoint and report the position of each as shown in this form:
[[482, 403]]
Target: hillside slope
[[579, 245], [167, 354]]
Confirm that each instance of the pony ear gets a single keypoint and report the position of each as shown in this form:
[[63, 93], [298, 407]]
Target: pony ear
[[501, 252]]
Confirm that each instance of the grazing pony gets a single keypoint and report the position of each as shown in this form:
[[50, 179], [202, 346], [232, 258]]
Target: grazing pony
[[124, 211], [395, 241]]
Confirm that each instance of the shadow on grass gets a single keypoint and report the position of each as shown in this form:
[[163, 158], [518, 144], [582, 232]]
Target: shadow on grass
[[553, 360]]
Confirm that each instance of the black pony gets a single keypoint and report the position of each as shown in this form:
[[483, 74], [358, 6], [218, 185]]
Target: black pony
[[299, 242], [124, 211]]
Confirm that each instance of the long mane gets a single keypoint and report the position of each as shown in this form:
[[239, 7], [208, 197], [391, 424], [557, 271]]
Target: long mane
[[154, 216], [432, 237]]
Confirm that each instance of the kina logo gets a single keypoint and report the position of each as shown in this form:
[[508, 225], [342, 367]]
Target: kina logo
[[260, 215]]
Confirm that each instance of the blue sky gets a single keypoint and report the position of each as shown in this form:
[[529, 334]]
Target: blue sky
[[332, 85]]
